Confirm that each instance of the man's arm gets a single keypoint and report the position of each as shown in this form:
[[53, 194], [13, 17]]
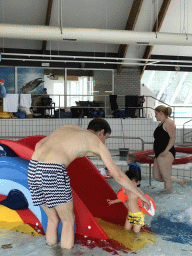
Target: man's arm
[[141, 191], [117, 174]]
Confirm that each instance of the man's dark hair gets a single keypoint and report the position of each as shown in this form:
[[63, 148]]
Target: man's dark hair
[[133, 174], [98, 124]]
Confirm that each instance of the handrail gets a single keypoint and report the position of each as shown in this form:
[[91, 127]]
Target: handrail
[[11, 137], [184, 134], [127, 137], [157, 100], [187, 122], [106, 104], [112, 137]]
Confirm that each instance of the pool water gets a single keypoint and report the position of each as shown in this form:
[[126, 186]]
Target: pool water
[[123, 158], [172, 225], [128, 239]]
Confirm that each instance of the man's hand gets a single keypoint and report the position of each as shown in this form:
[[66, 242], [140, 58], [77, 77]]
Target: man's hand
[[146, 203]]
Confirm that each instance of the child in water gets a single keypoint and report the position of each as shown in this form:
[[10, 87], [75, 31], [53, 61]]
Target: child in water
[[135, 217]]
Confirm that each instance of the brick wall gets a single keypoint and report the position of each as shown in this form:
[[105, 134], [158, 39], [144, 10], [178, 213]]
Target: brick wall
[[127, 83], [103, 84]]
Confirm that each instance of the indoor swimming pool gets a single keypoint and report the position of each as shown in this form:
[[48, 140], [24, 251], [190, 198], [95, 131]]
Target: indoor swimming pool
[[172, 225]]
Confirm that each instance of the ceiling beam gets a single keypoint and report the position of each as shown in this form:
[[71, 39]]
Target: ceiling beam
[[131, 22], [156, 28], [47, 22]]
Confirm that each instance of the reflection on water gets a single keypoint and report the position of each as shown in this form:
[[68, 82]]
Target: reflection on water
[[174, 226], [122, 158], [109, 245]]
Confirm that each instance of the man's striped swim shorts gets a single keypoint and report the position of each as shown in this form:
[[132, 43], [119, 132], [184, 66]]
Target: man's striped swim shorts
[[49, 184]]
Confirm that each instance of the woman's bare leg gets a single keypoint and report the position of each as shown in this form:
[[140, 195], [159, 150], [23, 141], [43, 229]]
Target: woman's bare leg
[[182, 182], [156, 172], [165, 167]]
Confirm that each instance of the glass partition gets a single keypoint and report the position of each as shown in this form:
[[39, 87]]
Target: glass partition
[[89, 88], [54, 90]]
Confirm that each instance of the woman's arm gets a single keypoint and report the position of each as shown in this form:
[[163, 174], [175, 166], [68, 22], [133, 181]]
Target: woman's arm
[[170, 128]]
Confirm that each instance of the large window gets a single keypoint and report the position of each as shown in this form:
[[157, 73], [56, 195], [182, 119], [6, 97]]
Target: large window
[[171, 87], [89, 85], [58, 89], [80, 90]]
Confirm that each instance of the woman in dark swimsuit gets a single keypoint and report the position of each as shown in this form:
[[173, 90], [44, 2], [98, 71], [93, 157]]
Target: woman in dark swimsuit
[[165, 135]]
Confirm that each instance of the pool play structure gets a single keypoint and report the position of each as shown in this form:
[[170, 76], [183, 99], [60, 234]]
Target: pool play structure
[[90, 190], [147, 157]]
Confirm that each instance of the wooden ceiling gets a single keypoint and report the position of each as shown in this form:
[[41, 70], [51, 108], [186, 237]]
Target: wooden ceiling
[[172, 16]]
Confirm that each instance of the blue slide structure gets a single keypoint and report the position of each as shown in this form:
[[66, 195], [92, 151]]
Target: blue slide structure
[[13, 175]]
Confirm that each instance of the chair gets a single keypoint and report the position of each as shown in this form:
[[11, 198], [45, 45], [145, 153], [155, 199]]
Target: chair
[[133, 102], [116, 113]]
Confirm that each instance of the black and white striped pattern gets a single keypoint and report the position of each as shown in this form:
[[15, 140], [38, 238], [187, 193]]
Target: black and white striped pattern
[[49, 184]]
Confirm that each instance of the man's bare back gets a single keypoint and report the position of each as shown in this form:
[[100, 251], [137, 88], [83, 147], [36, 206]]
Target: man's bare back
[[65, 144]]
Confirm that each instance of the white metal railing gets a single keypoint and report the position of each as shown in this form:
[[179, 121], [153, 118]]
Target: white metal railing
[[123, 138], [147, 108], [187, 134]]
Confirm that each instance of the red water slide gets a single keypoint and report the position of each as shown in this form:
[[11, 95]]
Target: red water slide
[[90, 191]]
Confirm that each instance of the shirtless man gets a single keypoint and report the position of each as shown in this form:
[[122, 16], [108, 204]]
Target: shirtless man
[[48, 179]]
